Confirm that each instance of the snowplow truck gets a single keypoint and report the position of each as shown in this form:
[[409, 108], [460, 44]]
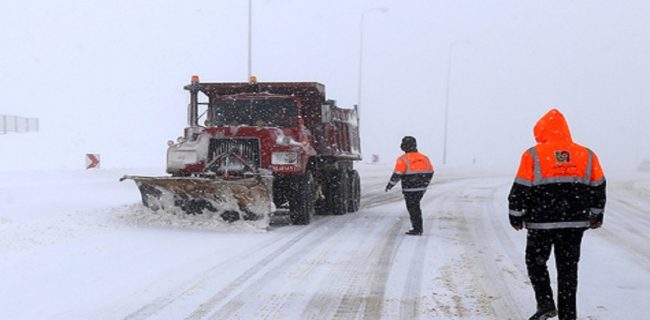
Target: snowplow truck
[[254, 149]]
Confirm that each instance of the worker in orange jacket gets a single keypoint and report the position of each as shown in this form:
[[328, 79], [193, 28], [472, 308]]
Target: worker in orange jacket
[[415, 171], [559, 192]]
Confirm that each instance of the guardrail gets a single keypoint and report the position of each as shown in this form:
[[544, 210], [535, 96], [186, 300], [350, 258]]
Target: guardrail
[[17, 124]]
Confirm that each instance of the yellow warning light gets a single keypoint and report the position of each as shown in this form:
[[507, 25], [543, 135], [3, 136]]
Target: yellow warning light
[[195, 78], [252, 80]]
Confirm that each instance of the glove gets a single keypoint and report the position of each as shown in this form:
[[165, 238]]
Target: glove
[[596, 221], [388, 187], [516, 222]]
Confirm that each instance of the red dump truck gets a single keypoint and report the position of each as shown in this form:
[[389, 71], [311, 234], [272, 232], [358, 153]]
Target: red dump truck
[[254, 148]]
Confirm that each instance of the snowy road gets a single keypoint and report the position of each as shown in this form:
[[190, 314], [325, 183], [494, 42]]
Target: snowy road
[[93, 256]]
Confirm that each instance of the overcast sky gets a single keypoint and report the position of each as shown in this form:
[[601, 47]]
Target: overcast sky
[[107, 76]]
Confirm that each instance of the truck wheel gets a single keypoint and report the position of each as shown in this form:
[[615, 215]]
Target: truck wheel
[[355, 191], [339, 193], [301, 203]]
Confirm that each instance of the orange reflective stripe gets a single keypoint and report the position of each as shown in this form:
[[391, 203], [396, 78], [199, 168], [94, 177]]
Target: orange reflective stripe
[[406, 163], [525, 173], [562, 163], [417, 163], [590, 163], [597, 175], [412, 163], [537, 167], [429, 165], [400, 166]]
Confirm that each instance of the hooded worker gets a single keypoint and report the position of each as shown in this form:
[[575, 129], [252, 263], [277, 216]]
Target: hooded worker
[[415, 171], [558, 193]]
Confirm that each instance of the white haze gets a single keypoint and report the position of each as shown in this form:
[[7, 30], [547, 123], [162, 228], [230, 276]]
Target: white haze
[[107, 76]]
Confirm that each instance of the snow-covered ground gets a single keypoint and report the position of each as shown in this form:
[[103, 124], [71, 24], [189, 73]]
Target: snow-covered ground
[[78, 245]]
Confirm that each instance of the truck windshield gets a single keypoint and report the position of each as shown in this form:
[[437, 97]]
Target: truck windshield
[[256, 112]]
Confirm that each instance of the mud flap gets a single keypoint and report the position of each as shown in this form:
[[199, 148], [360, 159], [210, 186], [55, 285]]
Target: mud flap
[[245, 199]]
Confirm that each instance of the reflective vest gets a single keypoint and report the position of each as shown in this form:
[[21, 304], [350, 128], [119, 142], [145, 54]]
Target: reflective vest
[[558, 163], [559, 184], [414, 170]]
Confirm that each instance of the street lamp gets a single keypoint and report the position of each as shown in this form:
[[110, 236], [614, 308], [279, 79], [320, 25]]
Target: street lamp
[[250, 39], [449, 62], [363, 17]]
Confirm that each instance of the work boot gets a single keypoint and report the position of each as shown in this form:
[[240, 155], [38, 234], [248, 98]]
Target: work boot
[[544, 313], [413, 232]]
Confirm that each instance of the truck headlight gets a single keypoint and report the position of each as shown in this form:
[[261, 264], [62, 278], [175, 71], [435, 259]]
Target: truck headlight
[[182, 157], [284, 158]]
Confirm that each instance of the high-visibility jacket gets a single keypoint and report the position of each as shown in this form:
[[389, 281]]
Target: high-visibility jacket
[[414, 170], [559, 184]]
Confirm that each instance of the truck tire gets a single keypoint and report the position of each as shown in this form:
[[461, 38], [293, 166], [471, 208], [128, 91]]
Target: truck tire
[[339, 193], [355, 191], [301, 202]]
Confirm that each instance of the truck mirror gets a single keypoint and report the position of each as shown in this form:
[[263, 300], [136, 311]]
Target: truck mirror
[[326, 113]]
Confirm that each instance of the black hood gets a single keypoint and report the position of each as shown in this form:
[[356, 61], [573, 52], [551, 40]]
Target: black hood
[[409, 144]]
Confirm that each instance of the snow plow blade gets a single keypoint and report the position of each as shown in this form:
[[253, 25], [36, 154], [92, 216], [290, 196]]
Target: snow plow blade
[[247, 199]]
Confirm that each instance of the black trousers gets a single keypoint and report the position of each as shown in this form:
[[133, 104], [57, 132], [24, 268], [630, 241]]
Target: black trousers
[[566, 244], [413, 207]]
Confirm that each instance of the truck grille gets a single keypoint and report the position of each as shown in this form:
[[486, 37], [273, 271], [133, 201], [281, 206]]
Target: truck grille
[[249, 149]]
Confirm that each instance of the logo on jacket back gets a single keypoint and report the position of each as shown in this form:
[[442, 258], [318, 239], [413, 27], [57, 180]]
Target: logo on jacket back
[[562, 156]]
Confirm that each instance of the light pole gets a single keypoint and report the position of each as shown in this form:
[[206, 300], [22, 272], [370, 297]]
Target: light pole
[[449, 62], [363, 17], [250, 39]]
